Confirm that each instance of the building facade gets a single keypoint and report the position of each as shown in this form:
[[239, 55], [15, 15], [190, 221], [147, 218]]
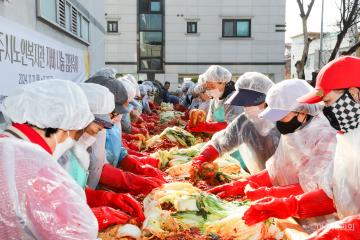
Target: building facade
[[76, 23], [172, 40], [312, 63], [43, 39]]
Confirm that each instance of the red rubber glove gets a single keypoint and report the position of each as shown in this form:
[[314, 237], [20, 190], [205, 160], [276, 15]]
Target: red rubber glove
[[212, 127], [124, 202], [136, 153], [131, 137], [153, 106], [279, 192], [180, 108], [134, 165], [135, 130], [121, 181], [132, 146], [237, 188], [186, 116], [107, 216], [149, 160], [140, 125], [209, 154], [346, 229], [311, 204]]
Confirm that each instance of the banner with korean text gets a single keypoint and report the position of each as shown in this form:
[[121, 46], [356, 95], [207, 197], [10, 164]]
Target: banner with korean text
[[27, 56]]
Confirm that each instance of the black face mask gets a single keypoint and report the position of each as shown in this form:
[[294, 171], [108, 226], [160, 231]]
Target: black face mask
[[331, 117], [288, 127], [344, 114]]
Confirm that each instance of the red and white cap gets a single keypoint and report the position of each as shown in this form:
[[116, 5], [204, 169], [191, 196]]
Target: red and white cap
[[341, 73]]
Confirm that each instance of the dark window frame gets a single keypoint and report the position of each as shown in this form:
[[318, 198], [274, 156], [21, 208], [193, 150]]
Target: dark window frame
[[108, 23], [235, 21], [162, 54], [189, 27], [59, 21]]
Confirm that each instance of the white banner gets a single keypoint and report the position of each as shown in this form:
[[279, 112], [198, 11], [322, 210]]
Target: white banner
[[27, 56]]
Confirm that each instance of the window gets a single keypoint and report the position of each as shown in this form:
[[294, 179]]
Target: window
[[155, 7], [112, 26], [84, 28], [150, 44], [192, 27], [48, 9], [236, 28], [151, 36], [63, 14], [150, 6], [151, 64], [150, 22]]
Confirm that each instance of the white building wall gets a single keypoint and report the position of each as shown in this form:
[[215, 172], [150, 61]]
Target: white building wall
[[24, 13], [312, 63], [207, 47], [121, 47]]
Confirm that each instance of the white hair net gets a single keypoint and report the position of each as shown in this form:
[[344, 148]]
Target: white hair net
[[101, 100], [132, 79], [217, 73], [149, 83], [39, 200], [284, 95], [150, 89], [130, 87], [254, 81], [49, 104], [106, 72], [186, 86], [178, 91], [143, 89]]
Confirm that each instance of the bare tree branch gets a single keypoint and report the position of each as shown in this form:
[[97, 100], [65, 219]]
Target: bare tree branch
[[352, 49], [349, 12], [309, 8], [304, 16]]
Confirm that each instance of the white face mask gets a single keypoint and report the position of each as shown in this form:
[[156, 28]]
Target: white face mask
[[214, 93], [61, 148], [86, 140], [263, 126]]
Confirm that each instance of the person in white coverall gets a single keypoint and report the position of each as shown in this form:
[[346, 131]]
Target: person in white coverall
[[305, 151], [338, 85], [39, 199]]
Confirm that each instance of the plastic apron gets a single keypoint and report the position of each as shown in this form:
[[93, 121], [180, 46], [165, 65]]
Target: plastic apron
[[77, 171], [70, 162], [97, 159], [346, 172], [115, 152], [219, 114]]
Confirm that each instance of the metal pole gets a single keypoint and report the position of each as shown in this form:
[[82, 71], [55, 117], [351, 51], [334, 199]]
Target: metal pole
[[321, 34]]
